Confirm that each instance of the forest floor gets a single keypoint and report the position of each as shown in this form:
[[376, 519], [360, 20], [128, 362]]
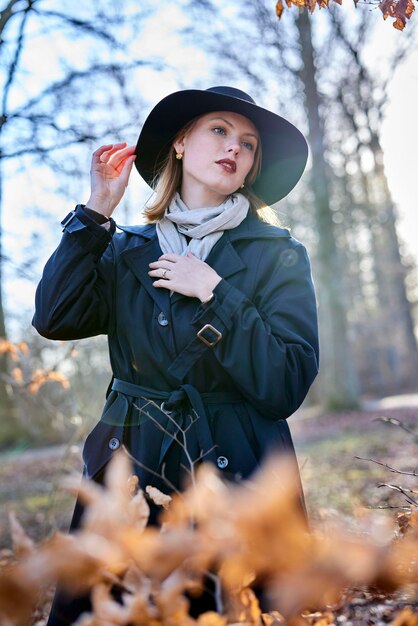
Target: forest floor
[[338, 486]]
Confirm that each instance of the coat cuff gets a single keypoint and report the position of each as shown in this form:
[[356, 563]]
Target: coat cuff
[[226, 301], [89, 234]]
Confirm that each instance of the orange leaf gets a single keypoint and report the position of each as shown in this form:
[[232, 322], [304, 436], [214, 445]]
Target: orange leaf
[[279, 8], [158, 497], [405, 618], [17, 374], [210, 618], [22, 544], [23, 347]]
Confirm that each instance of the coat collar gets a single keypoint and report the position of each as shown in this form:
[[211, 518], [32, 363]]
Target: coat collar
[[223, 257], [251, 227]]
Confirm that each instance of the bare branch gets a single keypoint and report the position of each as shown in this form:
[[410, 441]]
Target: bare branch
[[81, 25], [8, 13], [71, 77], [396, 422], [15, 61], [385, 465], [82, 138], [401, 490], [148, 469]]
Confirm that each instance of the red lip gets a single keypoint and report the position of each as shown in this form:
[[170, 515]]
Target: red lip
[[231, 166]]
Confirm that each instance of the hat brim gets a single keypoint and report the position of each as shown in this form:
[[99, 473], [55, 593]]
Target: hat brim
[[284, 148]]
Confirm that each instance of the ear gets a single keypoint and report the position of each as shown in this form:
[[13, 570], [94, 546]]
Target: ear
[[179, 145]]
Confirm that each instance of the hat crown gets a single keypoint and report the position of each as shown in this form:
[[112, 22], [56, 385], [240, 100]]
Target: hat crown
[[232, 92]]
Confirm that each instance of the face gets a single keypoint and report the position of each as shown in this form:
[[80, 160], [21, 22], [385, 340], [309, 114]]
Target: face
[[218, 153]]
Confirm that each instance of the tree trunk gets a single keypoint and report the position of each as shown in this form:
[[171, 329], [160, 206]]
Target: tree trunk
[[339, 383], [392, 289]]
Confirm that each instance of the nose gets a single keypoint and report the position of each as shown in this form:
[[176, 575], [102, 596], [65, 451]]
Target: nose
[[233, 147]]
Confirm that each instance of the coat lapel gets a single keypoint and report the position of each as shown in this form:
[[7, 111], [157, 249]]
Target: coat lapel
[[223, 256], [138, 260], [223, 259]]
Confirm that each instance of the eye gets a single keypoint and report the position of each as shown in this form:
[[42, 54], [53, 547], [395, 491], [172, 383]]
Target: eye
[[219, 130], [248, 145]]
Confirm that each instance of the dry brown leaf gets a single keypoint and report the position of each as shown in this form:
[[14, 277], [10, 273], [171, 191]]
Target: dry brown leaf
[[18, 595], [7, 347], [139, 510], [405, 618], [133, 484], [40, 377], [158, 497], [22, 544], [279, 8], [255, 531], [272, 618], [210, 618], [106, 610], [400, 10], [78, 561], [243, 607], [17, 375]]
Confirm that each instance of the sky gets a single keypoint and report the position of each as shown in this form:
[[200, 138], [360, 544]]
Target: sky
[[399, 137], [400, 142]]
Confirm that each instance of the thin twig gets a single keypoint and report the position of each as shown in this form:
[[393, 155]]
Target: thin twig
[[396, 422], [391, 469], [217, 592], [402, 491], [154, 473]]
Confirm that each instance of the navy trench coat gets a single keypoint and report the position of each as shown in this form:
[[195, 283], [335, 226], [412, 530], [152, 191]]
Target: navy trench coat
[[227, 373]]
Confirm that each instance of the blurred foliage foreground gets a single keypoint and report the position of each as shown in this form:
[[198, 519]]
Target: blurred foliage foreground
[[242, 537]]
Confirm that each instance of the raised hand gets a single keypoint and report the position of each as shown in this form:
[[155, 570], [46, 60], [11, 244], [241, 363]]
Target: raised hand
[[187, 275], [110, 169]]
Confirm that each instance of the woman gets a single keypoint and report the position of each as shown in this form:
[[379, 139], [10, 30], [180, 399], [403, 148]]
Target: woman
[[209, 310]]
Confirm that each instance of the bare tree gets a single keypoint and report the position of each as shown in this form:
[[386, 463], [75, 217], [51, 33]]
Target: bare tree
[[304, 73], [359, 105], [340, 383], [77, 104]]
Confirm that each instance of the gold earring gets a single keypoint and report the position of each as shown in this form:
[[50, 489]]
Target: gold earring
[[179, 156]]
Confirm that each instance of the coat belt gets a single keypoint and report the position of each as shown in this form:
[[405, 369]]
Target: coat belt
[[176, 404]]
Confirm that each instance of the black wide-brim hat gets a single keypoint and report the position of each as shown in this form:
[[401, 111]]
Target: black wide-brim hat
[[284, 150]]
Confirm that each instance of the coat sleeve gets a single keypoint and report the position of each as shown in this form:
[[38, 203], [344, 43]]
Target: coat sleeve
[[74, 296], [269, 344]]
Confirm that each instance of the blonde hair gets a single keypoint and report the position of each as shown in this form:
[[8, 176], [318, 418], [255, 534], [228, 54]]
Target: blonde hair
[[168, 181]]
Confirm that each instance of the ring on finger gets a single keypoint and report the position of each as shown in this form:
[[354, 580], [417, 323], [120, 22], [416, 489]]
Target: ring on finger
[[164, 273]]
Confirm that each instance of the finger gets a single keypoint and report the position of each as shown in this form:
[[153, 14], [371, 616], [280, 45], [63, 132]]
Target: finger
[[162, 264], [117, 160], [126, 170], [170, 257], [165, 284], [113, 148], [98, 153], [161, 272]]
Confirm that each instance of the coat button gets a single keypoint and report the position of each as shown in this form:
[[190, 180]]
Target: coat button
[[222, 462], [162, 319], [114, 443]]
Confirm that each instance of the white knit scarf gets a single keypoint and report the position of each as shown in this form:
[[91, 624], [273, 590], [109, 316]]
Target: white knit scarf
[[205, 226]]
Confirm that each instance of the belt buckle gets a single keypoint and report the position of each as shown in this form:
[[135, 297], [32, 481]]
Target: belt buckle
[[214, 330]]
